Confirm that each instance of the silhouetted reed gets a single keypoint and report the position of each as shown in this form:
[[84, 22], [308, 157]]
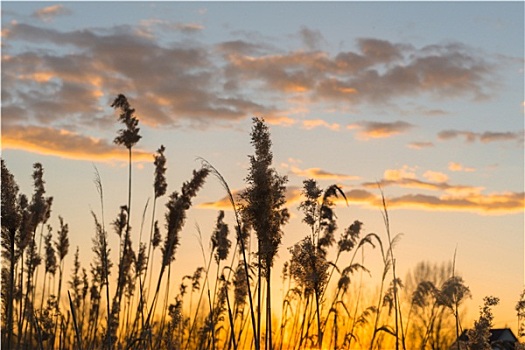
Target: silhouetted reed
[[11, 219], [263, 210], [318, 309]]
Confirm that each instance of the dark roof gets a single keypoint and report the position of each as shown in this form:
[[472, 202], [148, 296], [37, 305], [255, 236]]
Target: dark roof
[[495, 334]]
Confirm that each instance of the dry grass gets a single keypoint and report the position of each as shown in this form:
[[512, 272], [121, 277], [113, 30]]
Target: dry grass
[[329, 301]]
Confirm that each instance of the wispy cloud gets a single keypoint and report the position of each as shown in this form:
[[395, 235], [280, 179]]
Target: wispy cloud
[[485, 204], [368, 129], [223, 203], [66, 144], [315, 123], [406, 177], [311, 38], [223, 82], [95, 65], [292, 196], [444, 196], [435, 176], [420, 145], [494, 203], [354, 76], [497, 203], [149, 25], [201, 87], [453, 166], [320, 174], [485, 137], [47, 14]]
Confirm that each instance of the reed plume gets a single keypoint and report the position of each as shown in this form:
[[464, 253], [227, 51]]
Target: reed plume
[[11, 220], [177, 206], [263, 209]]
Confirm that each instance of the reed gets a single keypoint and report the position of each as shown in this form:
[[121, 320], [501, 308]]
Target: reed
[[324, 300]]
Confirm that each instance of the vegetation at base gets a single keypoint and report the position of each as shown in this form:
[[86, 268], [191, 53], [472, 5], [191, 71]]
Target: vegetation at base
[[226, 302]]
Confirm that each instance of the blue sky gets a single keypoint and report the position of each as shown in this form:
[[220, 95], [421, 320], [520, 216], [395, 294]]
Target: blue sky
[[425, 98]]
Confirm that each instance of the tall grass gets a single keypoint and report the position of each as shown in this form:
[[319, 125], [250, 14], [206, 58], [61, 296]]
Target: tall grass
[[227, 303]]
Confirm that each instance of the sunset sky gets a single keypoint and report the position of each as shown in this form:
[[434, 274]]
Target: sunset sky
[[424, 98]]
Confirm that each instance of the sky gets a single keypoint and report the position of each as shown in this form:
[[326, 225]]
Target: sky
[[425, 99]]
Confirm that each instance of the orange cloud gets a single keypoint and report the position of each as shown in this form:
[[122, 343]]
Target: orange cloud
[[293, 195], [452, 166], [319, 174], [420, 145], [493, 204], [66, 144], [405, 177], [405, 172], [435, 176], [496, 203], [474, 202], [453, 197], [223, 203], [315, 123], [48, 13], [379, 129], [279, 120]]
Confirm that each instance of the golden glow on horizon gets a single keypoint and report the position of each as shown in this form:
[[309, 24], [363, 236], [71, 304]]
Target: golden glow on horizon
[[66, 144], [490, 204]]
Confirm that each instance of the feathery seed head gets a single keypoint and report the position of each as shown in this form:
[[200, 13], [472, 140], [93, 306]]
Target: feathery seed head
[[308, 266], [156, 239], [10, 210], [130, 135], [119, 224], [349, 239], [160, 184], [40, 207], [219, 239], [240, 285], [176, 215], [195, 279], [264, 196], [62, 243], [141, 261], [51, 260]]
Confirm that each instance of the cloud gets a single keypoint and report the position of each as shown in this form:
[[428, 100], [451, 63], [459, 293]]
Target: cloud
[[435, 176], [370, 129], [420, 145], [147, 26], [485, 137], [223, 203], [485, 204], [66, 144], [177, 84], [377, 72], [240, 47], [292, 196], [437, 181], [319, 174], [312, 39], [405, 172], [47, 14], [453, 166], [197, 84], [495, 203], [315, 123]]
